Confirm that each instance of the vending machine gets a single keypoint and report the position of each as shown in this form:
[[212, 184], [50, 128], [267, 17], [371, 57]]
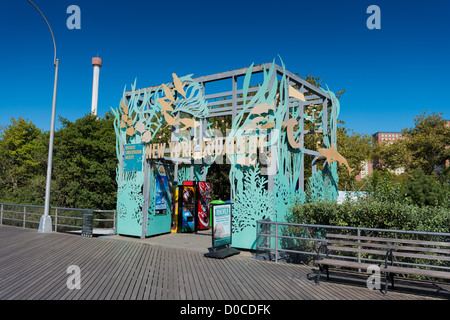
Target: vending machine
[[187, 207], [203, 204], [175, 205]]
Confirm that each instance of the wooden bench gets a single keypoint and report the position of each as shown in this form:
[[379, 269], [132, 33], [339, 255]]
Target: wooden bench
[[339, 250]]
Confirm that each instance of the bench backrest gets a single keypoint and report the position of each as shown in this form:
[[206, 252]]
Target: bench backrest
[[428, 253]]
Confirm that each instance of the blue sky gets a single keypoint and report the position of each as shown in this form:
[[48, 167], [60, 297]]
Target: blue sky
[[390, 75]]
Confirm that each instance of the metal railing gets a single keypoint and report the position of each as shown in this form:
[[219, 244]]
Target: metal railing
[[63, 219], [308, 236]]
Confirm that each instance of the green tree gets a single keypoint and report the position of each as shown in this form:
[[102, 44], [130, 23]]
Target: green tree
[[22, 161], [426, 142], [391, 156], [355, 148], [85, 164]]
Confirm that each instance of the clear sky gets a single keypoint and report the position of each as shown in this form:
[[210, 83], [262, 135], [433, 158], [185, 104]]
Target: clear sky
[[390, 75]]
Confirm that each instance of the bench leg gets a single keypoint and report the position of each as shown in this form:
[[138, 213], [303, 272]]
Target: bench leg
[[392, 280], [389, 278], [318, 275], [321, 268], [386, 284]]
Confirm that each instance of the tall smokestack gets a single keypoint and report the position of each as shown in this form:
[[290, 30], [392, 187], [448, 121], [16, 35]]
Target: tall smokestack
[[97, 63]]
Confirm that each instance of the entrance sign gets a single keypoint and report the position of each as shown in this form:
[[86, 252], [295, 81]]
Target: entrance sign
[[133, 157], [221, 235]]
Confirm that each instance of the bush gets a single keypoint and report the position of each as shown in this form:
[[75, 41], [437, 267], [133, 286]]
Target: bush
[[370, 213], [423, 190]]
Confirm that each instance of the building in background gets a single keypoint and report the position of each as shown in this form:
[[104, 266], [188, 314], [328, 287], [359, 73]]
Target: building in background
[[389, 137], [368, 165]]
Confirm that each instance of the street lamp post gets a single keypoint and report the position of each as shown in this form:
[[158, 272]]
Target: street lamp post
[[45, 224]]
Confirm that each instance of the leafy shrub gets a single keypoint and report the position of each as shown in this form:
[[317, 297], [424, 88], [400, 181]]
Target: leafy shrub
[[423, 190], [371, 213]]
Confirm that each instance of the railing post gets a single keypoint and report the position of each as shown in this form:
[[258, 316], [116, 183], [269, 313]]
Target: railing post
[[359, 248], [114, 221], [24, 215], [276, 242], [56, 219]]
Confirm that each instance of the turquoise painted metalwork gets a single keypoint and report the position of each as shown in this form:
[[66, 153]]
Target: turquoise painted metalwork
[[259, 189]]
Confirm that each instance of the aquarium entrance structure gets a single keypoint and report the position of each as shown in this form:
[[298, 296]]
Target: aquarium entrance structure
[[255, 118]]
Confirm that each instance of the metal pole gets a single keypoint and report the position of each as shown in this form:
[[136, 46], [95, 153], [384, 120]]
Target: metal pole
[[45, 224], [276, 242]]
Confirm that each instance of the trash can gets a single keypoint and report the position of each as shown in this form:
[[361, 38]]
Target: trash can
[[210, 210]]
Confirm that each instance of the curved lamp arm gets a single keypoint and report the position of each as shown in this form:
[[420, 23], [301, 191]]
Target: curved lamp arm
[[54, 43]]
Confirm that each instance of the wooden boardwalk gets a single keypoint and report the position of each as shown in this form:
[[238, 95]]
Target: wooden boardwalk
[[33, 266]]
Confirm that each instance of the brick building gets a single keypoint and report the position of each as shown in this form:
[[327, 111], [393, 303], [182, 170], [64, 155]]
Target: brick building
[[369, 166], [389, 137]]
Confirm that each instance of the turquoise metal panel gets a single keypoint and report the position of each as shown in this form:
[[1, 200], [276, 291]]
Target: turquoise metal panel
[[256, 194]]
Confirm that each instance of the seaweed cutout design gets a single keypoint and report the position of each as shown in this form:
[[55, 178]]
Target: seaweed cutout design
[[253, 202]]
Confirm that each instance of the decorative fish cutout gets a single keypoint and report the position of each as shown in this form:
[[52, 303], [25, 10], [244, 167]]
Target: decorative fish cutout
[[331, 155], [168, 92], [169, 119], [178, 85], [290, 124], [189, 123], [296, 94], [261, 108], [268, 125], [165, 105]]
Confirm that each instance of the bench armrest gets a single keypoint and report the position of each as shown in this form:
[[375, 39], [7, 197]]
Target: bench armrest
[[322, 247], [388, 256]]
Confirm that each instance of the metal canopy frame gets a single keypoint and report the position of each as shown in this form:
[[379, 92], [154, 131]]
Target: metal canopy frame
[[226, 103], [229, 102]]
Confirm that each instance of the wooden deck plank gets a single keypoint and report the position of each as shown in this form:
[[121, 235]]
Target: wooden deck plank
[[141, 275], [104, 277], [182, 285], [36, 271], [218, 285], [54, 286], [155, 274], [264, 288], [57, 284], [147, 288], [187, 279], [120, 265], [127, 277], [90, 264]]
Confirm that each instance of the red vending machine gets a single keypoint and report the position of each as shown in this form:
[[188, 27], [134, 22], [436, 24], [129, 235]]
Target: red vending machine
[[202, 200], [203, 204]]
